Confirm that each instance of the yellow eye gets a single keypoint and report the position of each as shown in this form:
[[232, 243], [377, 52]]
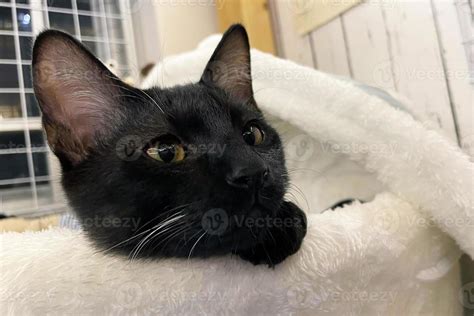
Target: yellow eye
[[253, 135], [167, 151]]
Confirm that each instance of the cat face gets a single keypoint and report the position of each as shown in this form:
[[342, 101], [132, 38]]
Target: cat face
[[161, 172]]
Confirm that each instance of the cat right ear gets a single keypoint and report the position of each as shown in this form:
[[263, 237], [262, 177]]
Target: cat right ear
[[229, 66], [75, 92]]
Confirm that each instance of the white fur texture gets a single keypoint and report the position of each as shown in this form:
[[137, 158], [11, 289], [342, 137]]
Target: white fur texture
[[350, 262], [387, 256]]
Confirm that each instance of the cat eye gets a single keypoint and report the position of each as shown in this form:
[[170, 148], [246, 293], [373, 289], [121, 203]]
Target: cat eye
[[253, 134], [167, 149]]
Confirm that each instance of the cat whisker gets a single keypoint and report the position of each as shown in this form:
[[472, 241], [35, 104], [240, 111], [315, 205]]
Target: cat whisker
[[186, 240], [142, 243], [271, 235], [294, 187], [171, 235], [128, 96], [267, 254], [291, 196], [195, 244], [126, 240], [137, 234], [180, 207], [153, 100], [167, 234], [292, 170], [138, 93], [135, 92], [157, 232]]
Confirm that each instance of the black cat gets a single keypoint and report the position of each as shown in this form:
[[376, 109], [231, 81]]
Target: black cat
[[190, 171]]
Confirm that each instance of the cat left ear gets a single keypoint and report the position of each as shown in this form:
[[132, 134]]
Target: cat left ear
[[76, 94], [229, 66]]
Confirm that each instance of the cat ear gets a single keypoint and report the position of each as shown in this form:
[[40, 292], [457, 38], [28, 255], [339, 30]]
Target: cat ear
[[229, 66], [75, 92]]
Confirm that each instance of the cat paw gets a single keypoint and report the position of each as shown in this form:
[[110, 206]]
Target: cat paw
[[281, 239]]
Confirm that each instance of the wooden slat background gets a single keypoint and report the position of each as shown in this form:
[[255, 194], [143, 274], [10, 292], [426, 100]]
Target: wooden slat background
[[412, 47]]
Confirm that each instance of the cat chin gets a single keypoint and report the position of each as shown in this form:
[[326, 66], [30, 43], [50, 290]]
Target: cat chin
[[281, 238], [261, 236]]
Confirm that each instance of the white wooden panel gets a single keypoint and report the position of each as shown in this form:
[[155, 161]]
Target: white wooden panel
[[293, 46], [315, 13], [329, 48], [417, 64], [368, 46], [462, 91]]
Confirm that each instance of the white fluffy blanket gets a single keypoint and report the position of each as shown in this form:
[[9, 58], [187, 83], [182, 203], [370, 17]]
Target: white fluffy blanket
[[393, 255]]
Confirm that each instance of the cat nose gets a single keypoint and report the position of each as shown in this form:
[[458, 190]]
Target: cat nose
[[247, 177]]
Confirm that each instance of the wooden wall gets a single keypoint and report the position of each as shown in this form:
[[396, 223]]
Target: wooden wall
[[254, 15], [412, 47]]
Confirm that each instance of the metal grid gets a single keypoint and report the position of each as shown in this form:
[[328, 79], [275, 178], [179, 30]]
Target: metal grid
[[25, 193]]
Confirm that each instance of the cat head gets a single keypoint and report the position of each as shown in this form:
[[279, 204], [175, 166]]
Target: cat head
[[194, 159]]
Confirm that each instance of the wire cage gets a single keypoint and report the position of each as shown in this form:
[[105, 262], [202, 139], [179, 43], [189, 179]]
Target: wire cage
[[29, 172]]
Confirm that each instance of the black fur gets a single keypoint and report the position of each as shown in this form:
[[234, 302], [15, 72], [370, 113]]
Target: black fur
[[118, 199]]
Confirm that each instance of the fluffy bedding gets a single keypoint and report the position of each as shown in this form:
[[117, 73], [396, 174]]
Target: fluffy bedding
[[394, 254]]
